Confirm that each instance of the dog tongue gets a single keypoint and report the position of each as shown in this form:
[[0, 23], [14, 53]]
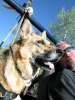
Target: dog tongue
[[49, 65]]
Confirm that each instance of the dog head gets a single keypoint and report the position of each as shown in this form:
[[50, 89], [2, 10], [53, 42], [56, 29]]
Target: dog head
[[34, 51]]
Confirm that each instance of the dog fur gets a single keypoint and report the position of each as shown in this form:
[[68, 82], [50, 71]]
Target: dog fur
[[22, 54]]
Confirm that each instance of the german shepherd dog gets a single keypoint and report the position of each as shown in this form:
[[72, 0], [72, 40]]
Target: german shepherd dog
[[18, 64]]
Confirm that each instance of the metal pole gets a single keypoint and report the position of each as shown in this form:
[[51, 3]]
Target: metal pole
[[41, 29], [20, 10]]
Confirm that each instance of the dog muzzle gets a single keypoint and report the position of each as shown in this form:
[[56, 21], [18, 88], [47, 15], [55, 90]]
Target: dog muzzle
[[46, 60]]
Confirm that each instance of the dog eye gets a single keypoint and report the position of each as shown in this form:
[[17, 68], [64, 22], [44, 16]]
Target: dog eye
[[40, 42]]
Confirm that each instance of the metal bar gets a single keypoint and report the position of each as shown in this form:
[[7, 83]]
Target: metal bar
[[19, 9], [41, 29], [35, 23]]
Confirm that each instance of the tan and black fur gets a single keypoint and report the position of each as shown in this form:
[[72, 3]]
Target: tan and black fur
[[16, 68]]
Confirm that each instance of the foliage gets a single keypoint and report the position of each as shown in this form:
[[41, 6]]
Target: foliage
[[64, 28]]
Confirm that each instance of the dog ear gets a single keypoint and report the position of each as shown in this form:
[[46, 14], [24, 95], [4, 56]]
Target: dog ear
[[43, 35], [26, 29]]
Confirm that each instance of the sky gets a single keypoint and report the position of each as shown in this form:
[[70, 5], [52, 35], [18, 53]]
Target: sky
[[45, 12]]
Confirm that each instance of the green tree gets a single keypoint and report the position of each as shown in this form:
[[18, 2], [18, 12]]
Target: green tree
[[64, 28]]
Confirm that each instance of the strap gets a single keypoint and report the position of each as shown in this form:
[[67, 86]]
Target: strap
[[18, 28], [9, 34]]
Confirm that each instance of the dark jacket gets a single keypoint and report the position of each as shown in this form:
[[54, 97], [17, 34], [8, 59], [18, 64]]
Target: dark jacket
[[58, 86]]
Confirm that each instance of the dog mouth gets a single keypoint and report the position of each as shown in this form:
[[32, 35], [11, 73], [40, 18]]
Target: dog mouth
[[43, 63], [46, 59]]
